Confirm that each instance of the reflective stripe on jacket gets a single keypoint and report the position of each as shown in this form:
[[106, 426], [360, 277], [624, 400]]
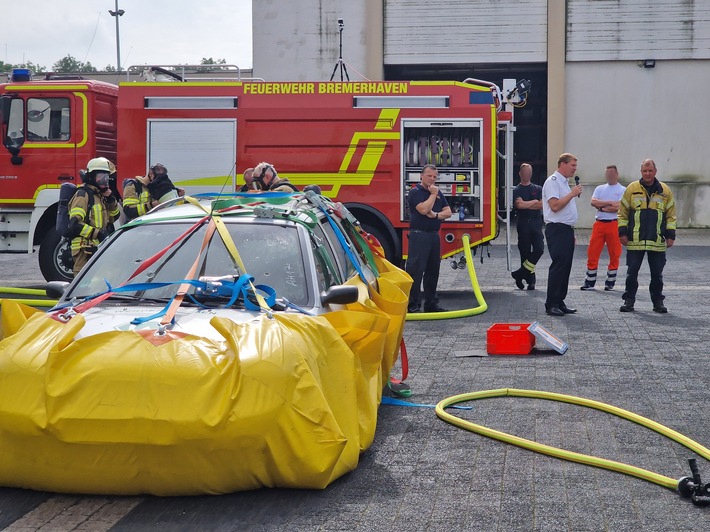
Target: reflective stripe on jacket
[[647, 216], [103, 211], [136, 199]]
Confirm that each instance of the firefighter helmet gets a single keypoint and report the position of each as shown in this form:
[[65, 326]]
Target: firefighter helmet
[[100, 164]]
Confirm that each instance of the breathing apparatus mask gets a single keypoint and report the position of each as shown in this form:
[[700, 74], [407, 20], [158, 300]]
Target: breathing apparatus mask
[[159, 170], [101, 180], [260, 179]]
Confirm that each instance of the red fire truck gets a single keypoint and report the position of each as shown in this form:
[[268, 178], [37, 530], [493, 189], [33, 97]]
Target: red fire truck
[[364, 143]]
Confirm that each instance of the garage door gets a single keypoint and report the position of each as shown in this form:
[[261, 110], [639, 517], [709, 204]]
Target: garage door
[[200, 155]]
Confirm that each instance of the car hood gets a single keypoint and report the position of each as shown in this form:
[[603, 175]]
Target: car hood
[[188, 320]]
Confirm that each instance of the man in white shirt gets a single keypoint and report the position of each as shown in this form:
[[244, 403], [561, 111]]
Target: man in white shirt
[[606, 200], [560, 214]]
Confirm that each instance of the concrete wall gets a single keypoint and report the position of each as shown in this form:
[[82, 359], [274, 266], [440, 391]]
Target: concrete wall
[[298, 41], [619, 113]]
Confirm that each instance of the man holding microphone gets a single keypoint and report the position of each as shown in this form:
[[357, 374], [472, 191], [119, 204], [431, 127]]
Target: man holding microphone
[[560, 214]]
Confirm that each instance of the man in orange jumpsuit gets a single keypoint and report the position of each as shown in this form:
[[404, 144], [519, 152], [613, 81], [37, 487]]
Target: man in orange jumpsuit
[[606, 200]]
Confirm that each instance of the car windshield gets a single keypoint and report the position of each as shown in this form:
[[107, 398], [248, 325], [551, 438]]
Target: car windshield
[[271, 253]]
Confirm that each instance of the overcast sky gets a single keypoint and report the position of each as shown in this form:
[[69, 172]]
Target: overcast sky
[[152, 31]]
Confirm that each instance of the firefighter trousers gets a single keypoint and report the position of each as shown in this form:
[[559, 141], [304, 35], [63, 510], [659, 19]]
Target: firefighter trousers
[[604, 233], [530, 242], [560, 244], [656, 263], [81, 256], [423, 263]]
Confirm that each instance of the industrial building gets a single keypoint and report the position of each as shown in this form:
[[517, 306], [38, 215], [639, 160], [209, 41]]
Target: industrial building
[[613, 81]]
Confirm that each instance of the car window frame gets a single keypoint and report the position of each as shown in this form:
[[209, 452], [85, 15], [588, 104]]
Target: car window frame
[[312, 294], [347, 270]]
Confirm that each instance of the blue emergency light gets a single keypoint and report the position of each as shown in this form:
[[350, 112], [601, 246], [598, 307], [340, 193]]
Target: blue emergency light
[[21, 74]]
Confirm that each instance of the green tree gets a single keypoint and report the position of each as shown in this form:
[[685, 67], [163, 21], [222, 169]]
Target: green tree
[[109, 68], [211, 61], [37, 69], [88, 67], [69, 63], [7, 67]]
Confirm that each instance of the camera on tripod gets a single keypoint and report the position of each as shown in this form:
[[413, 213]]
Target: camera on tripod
[[340, 64]]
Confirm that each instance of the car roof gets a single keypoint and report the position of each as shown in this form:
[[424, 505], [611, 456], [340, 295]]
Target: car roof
[[274, 205]]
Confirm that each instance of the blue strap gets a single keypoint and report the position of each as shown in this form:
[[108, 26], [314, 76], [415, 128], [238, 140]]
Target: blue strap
[[344, 243], [227, 288], [268, 293], [138, 321], [296, 307], [398, 402], [256, 197]]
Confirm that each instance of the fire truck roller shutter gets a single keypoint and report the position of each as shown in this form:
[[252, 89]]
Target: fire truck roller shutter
[[377, 224], [200, 153]]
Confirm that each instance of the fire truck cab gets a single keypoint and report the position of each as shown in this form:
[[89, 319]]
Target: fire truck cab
[[50, 129]]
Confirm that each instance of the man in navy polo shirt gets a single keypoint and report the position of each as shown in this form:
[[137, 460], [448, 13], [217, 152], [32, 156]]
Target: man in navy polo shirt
[[427, 208]]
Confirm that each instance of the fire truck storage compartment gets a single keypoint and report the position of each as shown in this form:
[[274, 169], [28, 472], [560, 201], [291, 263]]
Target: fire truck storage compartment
[[454, 146], [200, 154]]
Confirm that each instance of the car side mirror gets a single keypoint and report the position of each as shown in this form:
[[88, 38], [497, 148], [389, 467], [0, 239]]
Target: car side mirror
[[56, 289], [340, 295]]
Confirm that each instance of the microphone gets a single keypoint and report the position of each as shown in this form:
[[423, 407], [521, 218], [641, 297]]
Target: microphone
[[576, 182]]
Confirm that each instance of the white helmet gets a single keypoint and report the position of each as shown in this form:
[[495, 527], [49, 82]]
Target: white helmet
[[101, 164]]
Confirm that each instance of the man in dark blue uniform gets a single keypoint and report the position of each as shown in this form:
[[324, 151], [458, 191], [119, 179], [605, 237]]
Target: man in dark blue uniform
[[427, 208], [527, 198]]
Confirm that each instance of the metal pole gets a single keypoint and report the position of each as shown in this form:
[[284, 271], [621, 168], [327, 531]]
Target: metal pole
[[117, 13], [509, 130], [118, 42]]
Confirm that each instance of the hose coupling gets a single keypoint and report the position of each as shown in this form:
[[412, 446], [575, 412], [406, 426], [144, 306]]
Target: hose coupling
[[693, 488]]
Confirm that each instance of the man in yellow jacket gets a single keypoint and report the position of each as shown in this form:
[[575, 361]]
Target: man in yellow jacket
[[89, 217], [647, 225]]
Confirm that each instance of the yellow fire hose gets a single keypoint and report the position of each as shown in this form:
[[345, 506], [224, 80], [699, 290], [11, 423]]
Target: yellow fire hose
[[474, 311], [28, 292], [22, 291], [687, 487]]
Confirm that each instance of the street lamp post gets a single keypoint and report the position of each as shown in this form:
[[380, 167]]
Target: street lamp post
[[117, 13]]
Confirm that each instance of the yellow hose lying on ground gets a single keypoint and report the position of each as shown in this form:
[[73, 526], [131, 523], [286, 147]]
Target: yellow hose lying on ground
[[27, 292], [33, 302], [474, 311], [22, 291], [563, 454]]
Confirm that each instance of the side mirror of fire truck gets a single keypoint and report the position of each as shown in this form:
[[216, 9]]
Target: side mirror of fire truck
[[11, 143]]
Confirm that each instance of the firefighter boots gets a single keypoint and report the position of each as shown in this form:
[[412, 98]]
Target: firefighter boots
[[659, 307], [628, 306], [519, 275], [531, 281]]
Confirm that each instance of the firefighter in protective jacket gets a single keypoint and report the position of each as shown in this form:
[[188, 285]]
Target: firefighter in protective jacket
[[141, 194], [89, 217], [647, 225]]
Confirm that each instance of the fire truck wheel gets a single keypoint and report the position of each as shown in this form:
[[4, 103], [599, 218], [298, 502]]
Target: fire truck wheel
[[55, 260], [384, 239]]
